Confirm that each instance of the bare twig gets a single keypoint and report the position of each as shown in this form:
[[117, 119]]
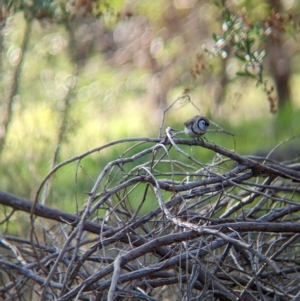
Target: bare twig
[[205, 214]]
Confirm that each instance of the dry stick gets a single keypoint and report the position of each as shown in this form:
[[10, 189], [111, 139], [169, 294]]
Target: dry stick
[[169, 135], [104, 242], [256, 167], [80, 228], [208, 230], [264, 199], [60, 139], [264, 224], [277, 210], [88, 210], [205, 230], [100, 178], [4, 265], [153, 271], [114, 278], [153, 164], [251, 164], [284, 246], [279, 187], [225, 152], [230, 174], [55, 265], [257, 192], [14, 250], [222, 259], [215, 179], [34, 204], [254, 264], [248, 200], [278, 145], [53, 253], [232, 155], [185, 98], [169, 204], [177, 222], [154, 244], [276, 214], [85, 154]]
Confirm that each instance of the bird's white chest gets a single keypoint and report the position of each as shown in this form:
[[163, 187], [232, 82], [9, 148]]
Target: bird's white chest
[[193, 132]]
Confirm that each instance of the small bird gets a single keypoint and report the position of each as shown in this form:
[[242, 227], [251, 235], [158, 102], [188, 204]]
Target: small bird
[[196, 126]]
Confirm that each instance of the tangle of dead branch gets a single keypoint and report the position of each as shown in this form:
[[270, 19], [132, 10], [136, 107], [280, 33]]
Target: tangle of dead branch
[[223, 230]]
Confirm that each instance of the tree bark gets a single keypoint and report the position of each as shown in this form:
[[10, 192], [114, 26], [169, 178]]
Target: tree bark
[[279, 61]]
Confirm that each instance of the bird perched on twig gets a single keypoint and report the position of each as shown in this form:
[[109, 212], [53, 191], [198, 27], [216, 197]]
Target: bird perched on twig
[[196, 127]]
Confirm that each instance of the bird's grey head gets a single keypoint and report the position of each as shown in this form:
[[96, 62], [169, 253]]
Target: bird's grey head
[[203, 124]]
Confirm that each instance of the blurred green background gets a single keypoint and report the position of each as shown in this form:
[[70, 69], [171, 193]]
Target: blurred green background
[[78, 74]]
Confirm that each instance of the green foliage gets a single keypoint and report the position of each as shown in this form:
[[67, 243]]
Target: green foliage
[[240, 36], [247, 28]]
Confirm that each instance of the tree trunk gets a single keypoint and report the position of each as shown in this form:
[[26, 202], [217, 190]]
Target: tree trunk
[[278, 58]]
